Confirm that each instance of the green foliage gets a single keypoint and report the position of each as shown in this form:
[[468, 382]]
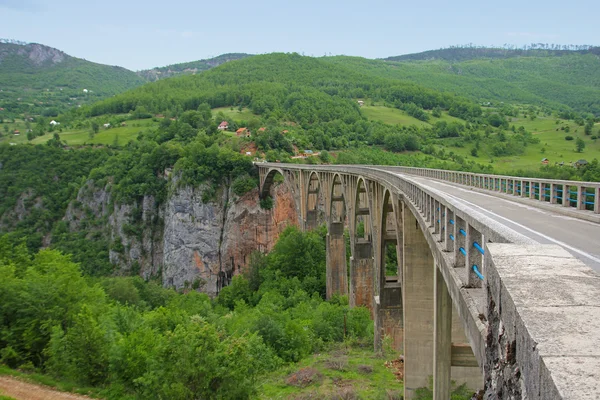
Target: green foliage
[[36, 184], [579, 145], [243, 184], [48, 88]]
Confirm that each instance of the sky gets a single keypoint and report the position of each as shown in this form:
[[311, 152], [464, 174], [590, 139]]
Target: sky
[[142, 35]]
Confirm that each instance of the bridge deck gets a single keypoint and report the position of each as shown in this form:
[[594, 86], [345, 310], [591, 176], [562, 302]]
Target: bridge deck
[[581, 238]]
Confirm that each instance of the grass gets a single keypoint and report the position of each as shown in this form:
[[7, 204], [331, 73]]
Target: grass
[[556, 148], [390, 116], [342, 370], [104, 136], [235, 114]]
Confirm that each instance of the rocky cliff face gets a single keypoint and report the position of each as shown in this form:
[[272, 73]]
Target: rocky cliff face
[[188, 243]]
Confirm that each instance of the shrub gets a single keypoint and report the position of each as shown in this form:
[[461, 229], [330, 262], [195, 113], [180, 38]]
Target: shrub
[[569, 137]]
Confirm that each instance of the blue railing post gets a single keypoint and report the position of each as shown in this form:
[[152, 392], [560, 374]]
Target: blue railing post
[[460, 241], [474, 256], [448, 230]]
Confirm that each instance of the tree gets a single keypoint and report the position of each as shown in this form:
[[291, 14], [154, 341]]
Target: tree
[[580, 145], [95, 128], [589, 125]]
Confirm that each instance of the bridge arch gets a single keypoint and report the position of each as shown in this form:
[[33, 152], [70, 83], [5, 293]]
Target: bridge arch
[[267, 181]]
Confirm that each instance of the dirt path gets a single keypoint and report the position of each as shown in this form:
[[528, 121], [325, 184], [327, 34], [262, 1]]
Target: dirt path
[[21, 390]]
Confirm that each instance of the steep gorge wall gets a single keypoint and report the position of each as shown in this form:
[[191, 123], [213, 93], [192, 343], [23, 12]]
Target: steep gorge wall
[[188, 243]]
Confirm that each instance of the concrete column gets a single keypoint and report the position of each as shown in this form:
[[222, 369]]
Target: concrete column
[[336, 270], [523, 191], [474, 257], [460, 241], [532, 190], [443, 340], [436, 217], [581, 198], [553, 193], [597, 200], [361, 276], [418, 301], [566, 196], [448, 230], [311, 220]]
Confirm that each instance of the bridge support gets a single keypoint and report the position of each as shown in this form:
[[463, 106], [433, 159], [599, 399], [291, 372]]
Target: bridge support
[[336, 270], [361, 276], [443, 340], [418, 301]]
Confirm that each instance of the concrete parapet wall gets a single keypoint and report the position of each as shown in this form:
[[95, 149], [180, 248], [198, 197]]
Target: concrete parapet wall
[[543, 324]]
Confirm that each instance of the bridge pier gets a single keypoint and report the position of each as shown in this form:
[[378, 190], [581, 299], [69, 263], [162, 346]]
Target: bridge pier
[[418, 301], [361, 276], [336, 269]]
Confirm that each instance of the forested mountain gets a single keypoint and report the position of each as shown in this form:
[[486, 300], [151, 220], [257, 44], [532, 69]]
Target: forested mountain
[[463, 53], [189, 68], [37, 79], [538, 76], [302, 89]]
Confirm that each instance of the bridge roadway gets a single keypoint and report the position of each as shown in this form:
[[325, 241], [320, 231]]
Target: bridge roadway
[[581, 238]]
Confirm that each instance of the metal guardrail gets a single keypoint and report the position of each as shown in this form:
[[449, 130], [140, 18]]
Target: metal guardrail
[[574, 194]]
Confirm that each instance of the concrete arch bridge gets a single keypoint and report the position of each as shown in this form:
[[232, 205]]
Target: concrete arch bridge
[[482, 279]]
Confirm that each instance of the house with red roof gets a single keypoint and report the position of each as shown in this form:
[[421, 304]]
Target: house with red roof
[[223, 126]]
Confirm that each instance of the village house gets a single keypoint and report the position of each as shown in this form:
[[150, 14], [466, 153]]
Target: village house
[[262, 129], [581, 163], [361, 103], [17, 133], [243, 132], [54, 123], [106, 125], [545, 161], [223, 126]]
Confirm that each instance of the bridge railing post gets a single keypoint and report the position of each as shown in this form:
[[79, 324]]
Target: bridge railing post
[[597, 200], [581, 197], [436, 217], [553, 193], [474, 256], [460, 242], [532, 190], [448, 229]]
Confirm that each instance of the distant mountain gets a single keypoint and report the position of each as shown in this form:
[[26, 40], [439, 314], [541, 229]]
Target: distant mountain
[[35, 79], [546, 77], [189, 68], [472, 53]]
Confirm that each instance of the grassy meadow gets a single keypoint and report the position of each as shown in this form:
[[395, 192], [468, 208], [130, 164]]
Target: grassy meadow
[[343, 372], [552, 146]]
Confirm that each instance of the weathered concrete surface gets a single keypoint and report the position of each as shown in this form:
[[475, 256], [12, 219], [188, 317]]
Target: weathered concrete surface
[[418, 301], [336, 267], [544, 316], [361, 282]]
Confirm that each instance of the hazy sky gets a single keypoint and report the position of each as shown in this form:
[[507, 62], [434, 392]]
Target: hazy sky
[[140, 35]]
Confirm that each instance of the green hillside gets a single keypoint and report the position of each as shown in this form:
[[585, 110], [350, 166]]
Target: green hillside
[[189, 68], [40, 80], [571, 80]]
